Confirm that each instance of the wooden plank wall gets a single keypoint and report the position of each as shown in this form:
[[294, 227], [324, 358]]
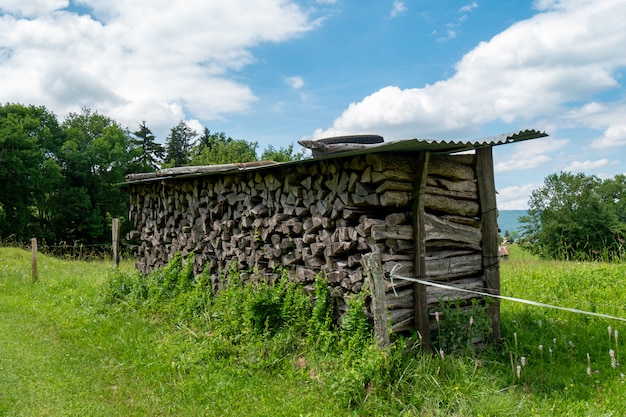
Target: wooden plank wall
[[447, 210]]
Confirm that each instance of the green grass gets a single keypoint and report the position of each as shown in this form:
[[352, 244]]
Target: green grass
[[557, 373], [87, 341]]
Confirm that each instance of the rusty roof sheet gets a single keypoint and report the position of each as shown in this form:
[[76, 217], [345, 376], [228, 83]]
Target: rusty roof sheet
[[331, 151]]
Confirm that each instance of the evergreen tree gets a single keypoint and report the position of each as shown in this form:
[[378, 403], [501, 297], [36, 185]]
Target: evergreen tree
[[150, 152], [178, 145]]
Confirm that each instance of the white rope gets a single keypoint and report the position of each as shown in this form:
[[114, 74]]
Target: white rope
[[392, 275]]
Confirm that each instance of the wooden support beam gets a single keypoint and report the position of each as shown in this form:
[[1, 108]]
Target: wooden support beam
[[420, 309], [489, 217]]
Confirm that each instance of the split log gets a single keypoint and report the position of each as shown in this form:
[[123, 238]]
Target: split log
[[447, 205], [454, 267], [434, 294], [467, 221], [459, 195], [395, 198], [395, 219], [450, 169], [391, 175], [467, 186], [383, 231], [401, 314], [400, 299], [400, 163], [394, 186], [438, 229], [403, 325], [368, 200]]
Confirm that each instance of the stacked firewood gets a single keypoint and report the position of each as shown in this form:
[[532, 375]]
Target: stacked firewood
[[317, 216], [313, 217]]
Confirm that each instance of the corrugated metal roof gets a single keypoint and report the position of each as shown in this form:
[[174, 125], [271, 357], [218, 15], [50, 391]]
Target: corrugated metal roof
[[340, 150], [412, 145]]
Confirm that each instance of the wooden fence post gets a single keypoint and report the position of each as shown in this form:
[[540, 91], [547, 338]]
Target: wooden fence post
[[115, 230], [33, 260], [372, 265]]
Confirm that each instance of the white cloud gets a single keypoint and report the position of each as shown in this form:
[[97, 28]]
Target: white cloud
[[468, 7], [159, 61], [515, 197], [607, 117], [31, 8], [586, 166], [398, 8], [195, 125], [450, 34], [530, 154], [295, 82], [534, 69], [614, 136]]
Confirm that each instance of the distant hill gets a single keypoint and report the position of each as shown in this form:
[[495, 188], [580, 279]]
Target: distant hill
[[509, 220]]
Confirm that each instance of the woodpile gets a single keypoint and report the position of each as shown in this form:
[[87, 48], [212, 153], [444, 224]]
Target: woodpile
[[318, 216], [453, 237], [311, 218]]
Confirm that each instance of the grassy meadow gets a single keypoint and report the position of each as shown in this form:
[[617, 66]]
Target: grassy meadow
[[86, 340]]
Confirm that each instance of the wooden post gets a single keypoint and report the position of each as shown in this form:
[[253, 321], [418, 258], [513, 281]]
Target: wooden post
[[489, 217], [33, 259], [419, 291], [372, 266], [115, 231]]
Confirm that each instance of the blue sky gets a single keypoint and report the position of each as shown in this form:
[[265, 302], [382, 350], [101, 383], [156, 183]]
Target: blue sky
[[277, 71]]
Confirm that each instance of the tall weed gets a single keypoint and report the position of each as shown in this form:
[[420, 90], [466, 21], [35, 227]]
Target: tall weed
[[282, 330]]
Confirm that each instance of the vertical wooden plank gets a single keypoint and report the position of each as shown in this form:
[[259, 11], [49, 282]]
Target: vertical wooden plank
[[33, 260], [115, 241], [489, 218], [372, 264], [419, 290]]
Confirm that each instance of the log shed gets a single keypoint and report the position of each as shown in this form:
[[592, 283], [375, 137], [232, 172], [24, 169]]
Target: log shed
[[426, 205]]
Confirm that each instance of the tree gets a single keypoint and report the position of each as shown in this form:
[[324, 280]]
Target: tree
[[575, 217], [178, 145], [281, 155], [613, 192], [217, 148], [29, 172], [95, 156], [150, 152]]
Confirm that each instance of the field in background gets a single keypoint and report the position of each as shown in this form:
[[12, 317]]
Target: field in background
[[64, 351]]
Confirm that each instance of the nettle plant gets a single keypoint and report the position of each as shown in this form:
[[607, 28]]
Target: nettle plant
[[461, 328]]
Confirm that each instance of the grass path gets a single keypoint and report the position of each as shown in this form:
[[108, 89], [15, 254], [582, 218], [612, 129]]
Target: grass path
[[57, 359], [59, 356]]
